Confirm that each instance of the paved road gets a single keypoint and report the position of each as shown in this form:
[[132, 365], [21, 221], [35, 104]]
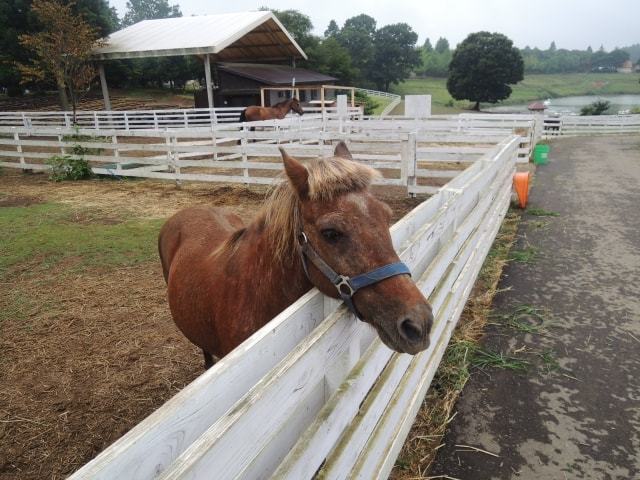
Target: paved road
[[576, 413]]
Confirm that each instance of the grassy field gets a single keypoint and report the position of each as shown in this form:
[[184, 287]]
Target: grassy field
[[533, 87]]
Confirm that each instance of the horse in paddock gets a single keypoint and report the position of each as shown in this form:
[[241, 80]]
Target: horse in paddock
[[278, 111], [320, 227]]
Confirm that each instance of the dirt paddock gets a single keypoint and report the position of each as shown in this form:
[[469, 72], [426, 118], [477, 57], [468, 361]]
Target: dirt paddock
[[87, 344]]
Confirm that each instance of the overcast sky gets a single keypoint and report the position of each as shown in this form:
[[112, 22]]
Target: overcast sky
[[570, 23]]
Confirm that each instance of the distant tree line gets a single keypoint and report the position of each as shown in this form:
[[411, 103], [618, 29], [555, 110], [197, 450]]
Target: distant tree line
[[359, 52], [435, 61]]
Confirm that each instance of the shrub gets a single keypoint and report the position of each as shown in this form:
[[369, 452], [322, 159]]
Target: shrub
[[366, 101], [67, 167], [596, 108]]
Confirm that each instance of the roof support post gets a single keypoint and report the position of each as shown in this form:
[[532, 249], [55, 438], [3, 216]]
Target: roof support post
[[105, 89], [207, 76]]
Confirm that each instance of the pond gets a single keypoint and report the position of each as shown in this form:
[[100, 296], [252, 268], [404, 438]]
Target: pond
[[572, 105]]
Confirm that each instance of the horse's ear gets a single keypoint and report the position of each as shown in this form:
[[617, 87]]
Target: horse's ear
[[297, 173], [342, 151]]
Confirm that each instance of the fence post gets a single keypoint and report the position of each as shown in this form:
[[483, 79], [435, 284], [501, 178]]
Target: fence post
[[155, 119], [16, 137], [409, 163], [116, 153], [63, 151], [243, 147]]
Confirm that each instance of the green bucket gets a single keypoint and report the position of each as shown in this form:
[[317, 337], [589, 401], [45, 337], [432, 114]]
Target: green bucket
[[541, 154]]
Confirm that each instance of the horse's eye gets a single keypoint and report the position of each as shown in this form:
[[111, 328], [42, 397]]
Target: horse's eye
[[331, 235]]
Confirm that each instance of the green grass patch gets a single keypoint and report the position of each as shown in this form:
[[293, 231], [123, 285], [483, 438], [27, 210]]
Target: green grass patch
[[541, 212], [49, 233], [533, 87], [525, 318], [489, 359], [526, 255]]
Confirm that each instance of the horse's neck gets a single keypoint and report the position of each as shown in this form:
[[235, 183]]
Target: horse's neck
[[284, 109], [277, 282]]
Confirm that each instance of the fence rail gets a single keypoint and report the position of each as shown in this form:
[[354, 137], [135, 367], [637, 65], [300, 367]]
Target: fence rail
[[314, 392], [141, 119], [420, 160], [573, 125]]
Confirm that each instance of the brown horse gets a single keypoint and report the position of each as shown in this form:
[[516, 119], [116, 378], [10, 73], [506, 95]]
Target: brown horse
[[278, 111], [226, 280]]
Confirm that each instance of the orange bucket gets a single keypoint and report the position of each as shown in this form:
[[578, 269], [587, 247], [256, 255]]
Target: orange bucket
[[521, 186]]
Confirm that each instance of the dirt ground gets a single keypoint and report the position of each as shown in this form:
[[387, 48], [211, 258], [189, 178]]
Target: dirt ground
[[87, 354]]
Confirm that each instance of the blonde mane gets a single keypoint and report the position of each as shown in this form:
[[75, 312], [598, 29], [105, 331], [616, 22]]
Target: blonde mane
[[328, 178]]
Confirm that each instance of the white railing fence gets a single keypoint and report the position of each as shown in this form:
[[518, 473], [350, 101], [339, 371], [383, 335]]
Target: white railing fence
[[314, 394], [143, 119], [420, 159], [573, 125]]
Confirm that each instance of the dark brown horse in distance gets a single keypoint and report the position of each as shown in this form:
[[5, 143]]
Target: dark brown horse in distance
[[278, 111], [226, 280]]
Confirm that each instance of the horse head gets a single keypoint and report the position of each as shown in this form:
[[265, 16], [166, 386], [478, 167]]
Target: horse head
[[295, 106], [341, 223]]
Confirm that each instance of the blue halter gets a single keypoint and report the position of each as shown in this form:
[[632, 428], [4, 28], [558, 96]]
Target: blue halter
[[346, 286]]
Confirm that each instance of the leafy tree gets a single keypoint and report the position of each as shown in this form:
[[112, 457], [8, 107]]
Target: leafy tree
[[395, 54], [362, 22], [357, 37], [427, 47], [62, 50], [482, 68], [596, 108], [442, 45], [16, 18], [139, 10], [332, 30], [552, 47], [331, 58]]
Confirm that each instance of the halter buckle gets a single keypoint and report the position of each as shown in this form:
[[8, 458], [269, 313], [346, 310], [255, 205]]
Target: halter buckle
[[343, 284]]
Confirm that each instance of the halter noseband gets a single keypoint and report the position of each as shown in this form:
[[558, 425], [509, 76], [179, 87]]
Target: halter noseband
[[346, 286]]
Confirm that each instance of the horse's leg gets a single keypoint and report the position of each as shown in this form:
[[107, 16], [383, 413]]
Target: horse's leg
[[208, 360]]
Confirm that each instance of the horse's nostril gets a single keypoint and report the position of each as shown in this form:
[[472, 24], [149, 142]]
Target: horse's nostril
[[410, 331]]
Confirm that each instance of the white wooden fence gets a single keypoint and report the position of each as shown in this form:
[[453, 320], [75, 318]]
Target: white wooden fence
[[408, 154], [315, 394], [141, 119], [574, 125]]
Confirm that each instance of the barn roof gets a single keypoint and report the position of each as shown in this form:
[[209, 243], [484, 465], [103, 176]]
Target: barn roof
[[244, 36], [537, 106], [274, 74]]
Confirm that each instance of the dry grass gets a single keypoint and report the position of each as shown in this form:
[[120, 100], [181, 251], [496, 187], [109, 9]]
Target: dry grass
[[430, 425], [88, 348]]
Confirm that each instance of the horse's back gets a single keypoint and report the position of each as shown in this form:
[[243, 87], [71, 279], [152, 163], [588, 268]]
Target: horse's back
[[195, 232]]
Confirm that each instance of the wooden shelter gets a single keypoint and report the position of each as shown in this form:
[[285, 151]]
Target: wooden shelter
[[230, 37]]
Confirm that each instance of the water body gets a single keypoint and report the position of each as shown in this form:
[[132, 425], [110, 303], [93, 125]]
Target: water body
[[572, 105]]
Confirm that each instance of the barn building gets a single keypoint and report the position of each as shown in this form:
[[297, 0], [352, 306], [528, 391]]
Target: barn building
[[239, 84], [247, 37]]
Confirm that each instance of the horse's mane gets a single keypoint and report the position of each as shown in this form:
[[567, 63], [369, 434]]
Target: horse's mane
[[328, 178], [283, 102]]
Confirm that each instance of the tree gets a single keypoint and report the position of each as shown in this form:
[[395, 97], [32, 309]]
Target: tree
[[62, 49], [596, 108], [332, 30], [16, 18], [427, 46], [482, 68], [139, 10], [395, 54], [442, 45], [331, 58], [552, 47], [357, 37]]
